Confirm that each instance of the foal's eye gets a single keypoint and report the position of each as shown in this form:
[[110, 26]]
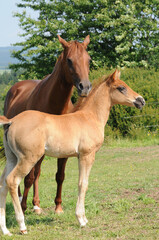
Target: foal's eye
[[122, 89], [69, 61]]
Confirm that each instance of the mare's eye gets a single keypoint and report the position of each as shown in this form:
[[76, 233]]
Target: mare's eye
[[69, 62], [122, 89]]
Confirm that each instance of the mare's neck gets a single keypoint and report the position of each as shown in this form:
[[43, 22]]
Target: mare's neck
[[56, 90], [99, 103]]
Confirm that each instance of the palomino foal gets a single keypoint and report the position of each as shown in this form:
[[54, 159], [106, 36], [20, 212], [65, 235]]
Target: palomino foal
[[32, 134]]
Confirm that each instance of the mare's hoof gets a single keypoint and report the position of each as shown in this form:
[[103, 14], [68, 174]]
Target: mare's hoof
[[23, 232], [58, 210], [37, 210]]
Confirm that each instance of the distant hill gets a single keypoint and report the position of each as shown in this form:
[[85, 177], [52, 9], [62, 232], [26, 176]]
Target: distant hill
[[5, 56]]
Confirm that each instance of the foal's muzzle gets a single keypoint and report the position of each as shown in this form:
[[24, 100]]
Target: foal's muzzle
[[84, 88], [139, 102]]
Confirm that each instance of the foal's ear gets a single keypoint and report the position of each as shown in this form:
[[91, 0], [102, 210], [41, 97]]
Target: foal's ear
[[113, 77], [86, 41], [116, 74], [63, 42]]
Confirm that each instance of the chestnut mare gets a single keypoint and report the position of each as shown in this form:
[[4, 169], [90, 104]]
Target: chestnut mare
[[31, 134], [51, 95]]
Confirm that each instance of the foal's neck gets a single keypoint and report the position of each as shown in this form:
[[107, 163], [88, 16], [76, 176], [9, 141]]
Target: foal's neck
[[99, 103]]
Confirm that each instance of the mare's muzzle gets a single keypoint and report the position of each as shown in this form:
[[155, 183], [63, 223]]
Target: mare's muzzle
[[139, 102], [84, 88]]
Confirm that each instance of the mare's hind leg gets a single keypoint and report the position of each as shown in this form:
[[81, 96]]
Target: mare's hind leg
[[32, 178], [28, 181], [60, 175], [36, 200]]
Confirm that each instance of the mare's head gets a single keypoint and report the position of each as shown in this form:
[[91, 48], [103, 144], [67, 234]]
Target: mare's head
[[121, 93], [76, 64]]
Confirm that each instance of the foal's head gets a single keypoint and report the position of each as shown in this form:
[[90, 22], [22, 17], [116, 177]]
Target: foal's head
[[76, 64], [121, 93]]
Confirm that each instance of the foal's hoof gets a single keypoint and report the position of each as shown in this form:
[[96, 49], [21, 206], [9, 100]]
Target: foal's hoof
[[23, 232], [8, 234], [37, 210], [58, 209]]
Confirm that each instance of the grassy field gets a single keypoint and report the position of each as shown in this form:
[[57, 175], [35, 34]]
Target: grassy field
[[122, 201]]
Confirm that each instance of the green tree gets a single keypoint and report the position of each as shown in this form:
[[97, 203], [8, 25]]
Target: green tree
[[123, 32]]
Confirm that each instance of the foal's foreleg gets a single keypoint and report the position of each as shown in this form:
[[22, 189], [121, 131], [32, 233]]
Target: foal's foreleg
[[85, 164], [60, 175]]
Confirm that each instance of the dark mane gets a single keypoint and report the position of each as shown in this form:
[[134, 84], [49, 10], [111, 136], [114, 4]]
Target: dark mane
[[83, 100]]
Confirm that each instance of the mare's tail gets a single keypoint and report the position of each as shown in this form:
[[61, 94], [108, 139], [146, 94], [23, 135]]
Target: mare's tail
[[3, 121]]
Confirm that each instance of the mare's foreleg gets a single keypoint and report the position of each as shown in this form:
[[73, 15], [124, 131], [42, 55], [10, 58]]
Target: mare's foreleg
[[60, 175], [85, 163]]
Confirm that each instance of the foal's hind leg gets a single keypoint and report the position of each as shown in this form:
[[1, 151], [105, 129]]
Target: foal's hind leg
[[60, 175], [10, 164], [3, 195], [13, 180]]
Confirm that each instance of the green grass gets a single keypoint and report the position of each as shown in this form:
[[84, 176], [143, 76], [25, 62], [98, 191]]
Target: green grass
[[122, 201]]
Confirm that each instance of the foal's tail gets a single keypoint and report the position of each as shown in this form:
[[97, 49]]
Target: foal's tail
[[3, 121]]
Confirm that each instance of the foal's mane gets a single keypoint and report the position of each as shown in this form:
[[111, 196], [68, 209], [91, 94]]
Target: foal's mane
[[83, 100]]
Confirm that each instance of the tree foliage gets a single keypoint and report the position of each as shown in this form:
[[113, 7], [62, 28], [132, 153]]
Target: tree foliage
[[123, 32]]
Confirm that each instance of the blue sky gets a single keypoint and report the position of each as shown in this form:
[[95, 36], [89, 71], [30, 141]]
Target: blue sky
[[8, 23]]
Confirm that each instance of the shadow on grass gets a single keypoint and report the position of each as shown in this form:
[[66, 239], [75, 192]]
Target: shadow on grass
[[30, 219], [10, 216], [35, 220]]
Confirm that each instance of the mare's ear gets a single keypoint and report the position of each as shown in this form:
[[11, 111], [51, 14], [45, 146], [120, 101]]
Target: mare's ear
[[63, 42], [113, 77], [86, 41]]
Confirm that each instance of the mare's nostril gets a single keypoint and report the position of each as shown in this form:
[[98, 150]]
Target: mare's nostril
[[81, 86]]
